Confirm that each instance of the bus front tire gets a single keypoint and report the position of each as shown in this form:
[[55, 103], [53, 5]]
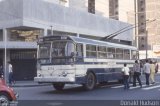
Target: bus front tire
[[59, 86], [90, 81]]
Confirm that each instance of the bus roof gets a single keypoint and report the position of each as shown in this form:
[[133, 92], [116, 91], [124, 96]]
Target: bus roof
[[100, 43], [87, 41]]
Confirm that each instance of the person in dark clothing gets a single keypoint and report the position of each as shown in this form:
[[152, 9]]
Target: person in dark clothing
[[11, 79], [137, 73], [1, 71], [156, 67]]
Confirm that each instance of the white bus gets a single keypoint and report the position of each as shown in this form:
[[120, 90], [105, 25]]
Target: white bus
[[75, 60]]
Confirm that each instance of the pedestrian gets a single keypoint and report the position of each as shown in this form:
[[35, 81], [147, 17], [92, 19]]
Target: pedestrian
[[152, 74], [131, 77], [147, 71], [141, 66], [1, 71], [137, 73], [156, 67], [126, 71], [11, 81]]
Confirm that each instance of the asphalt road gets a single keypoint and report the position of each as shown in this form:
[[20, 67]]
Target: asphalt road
[[75, 94]]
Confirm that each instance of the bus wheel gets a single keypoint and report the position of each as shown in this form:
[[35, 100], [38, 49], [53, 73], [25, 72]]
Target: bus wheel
[[58, 86], [90, 81]]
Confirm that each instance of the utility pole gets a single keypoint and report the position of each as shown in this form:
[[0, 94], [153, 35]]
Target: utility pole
[[5, 54], [136, 36], [146, 44], [52, 30]]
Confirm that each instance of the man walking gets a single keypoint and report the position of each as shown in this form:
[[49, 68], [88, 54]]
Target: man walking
[[137, 73], [147, 71], [125, 71]]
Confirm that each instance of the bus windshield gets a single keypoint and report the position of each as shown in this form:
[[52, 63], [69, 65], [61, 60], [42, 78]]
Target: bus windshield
[[44, 50], [62, 49], [58, 52]]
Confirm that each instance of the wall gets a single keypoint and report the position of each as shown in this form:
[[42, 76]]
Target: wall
[[40, 14], [102, 7], [81, 5]]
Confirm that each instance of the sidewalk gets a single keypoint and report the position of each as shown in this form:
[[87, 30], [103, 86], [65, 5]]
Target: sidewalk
[[29, 84]]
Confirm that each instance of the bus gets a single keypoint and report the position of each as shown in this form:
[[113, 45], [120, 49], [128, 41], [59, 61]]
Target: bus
[[75, 60]]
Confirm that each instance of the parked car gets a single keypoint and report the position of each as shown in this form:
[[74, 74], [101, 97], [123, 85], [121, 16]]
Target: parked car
[[7, 94]]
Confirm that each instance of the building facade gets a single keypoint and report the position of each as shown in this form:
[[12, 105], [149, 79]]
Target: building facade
[[23, 21], [145, 14], [148, 30]]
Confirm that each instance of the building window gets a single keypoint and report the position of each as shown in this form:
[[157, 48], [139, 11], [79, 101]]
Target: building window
[[141, 2], [142, 9], [142, 46], [91, 6], [113, 9], [142, 16], [116, 6], [142, 30], [142, 38], [116, 12]]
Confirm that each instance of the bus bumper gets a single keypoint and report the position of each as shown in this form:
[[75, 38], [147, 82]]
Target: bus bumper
[[54, 79]]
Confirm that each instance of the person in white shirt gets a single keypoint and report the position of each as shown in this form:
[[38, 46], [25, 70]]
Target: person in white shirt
[[10, 73], [147, 71], [126, 71]]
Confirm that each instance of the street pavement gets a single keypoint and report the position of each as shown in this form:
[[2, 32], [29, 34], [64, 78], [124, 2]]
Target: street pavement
[[28, 84], [75, 94]]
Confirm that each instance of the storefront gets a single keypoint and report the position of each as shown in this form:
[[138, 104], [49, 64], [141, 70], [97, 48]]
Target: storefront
[[24, 64]]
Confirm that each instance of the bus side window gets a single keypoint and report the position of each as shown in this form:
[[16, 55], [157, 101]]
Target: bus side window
[[134, 55], [119, 53], [69, 48], [79, 50], [79, 53], [126, 54], [111, 53], [91, 51]]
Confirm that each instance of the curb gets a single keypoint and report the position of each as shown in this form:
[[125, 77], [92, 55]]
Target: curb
[[30, 85]]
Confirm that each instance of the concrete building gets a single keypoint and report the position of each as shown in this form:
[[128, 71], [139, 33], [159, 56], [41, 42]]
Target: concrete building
[[145, 10], [23, 21], [148, 33], [153, 29]]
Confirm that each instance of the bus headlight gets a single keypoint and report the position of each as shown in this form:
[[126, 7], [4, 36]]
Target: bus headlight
[[64, 74], [39, 75]]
